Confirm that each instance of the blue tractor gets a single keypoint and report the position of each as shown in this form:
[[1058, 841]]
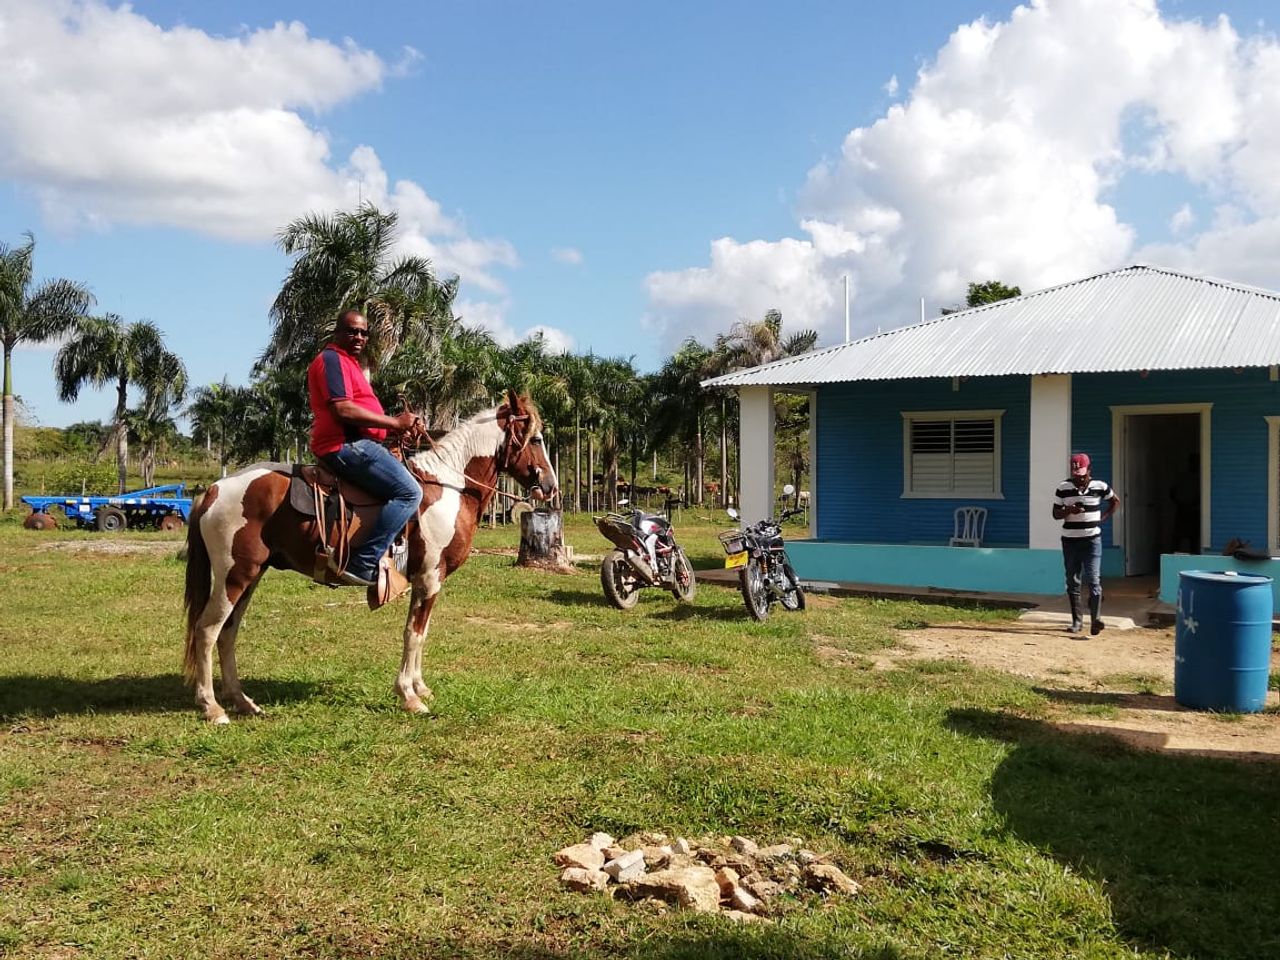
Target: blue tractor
[[165, 508]]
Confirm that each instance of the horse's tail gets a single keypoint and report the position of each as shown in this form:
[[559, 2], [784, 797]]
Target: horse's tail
[[199, 574]]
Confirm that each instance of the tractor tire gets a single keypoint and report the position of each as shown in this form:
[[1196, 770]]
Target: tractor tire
[[172, 521], [111, 520], [39, 521]]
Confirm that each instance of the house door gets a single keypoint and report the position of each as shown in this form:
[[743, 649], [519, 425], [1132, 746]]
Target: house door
[[1160, 492]]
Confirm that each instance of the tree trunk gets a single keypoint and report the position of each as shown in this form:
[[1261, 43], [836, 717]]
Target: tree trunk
[[148, 466], [122, 436], [577, 462], [702, 460], [724, 451], [542, 541], [8, 417], [591, 473]]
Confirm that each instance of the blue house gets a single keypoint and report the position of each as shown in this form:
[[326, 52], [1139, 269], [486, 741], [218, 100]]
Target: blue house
[[1170, 382]]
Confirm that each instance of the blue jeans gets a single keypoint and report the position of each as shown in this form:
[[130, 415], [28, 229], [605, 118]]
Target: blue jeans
[[371, 467], [1082, 557]]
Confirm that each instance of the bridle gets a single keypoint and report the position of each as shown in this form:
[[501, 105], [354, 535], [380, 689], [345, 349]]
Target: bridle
[[411, 442]]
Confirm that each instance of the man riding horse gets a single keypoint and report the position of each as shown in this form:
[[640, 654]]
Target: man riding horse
[[347, 431], [272, 515]]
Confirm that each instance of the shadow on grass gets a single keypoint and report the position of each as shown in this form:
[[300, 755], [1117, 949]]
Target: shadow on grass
[[732, 941], [592, 598], [47, 696], [1185, 845], [686, 611], [1129, 701]]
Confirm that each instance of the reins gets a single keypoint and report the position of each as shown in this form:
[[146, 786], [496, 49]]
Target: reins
[[411, 444]]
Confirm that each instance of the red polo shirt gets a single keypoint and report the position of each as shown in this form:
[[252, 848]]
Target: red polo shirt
[[336, 375]]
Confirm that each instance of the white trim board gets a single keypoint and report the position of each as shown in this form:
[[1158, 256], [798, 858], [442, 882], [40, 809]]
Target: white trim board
[[1118, 415], [1273, 484]]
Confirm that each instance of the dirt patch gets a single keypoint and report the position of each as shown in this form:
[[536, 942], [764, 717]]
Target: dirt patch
[[512, 626], [114, 547], [1119, 684]]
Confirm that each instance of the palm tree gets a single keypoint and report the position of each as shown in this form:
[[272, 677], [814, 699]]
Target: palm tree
[[210, 411], [344, 261], [679, 408], [749, 343], [106, 350], [30, 315]]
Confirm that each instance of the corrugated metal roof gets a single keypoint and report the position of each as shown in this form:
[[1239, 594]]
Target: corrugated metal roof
[[1136, 318]]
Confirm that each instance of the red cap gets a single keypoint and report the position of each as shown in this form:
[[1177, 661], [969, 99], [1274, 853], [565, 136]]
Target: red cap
[[1079, 464]]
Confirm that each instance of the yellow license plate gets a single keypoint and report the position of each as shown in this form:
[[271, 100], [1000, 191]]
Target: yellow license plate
[[736, 560]]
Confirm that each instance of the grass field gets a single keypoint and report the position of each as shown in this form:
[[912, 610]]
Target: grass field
[[338, 826]]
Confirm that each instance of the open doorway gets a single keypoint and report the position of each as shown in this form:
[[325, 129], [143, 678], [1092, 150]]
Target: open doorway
[[1160, 487]]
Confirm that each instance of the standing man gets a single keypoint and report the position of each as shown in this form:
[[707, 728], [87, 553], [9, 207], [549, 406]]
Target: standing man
[[1078, 504], [347, 435]]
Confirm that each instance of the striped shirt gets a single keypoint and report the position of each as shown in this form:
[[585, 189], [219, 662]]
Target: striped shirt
[[1089, 523]]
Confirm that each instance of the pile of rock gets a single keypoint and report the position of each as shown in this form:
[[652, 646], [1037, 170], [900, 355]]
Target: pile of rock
[[731, 875]]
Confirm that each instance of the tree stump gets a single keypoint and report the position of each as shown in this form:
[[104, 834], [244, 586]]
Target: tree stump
[[542, 541]]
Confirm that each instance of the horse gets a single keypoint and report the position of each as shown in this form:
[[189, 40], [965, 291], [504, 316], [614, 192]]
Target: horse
[[245, 524]]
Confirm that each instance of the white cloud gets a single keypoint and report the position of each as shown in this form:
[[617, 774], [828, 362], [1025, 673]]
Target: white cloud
[[492, 316], [891, 87], [1183, 220], [999, 165], [569, 255], [108, 118]]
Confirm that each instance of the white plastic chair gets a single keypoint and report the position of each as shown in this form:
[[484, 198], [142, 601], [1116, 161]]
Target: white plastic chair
[[971, 523]]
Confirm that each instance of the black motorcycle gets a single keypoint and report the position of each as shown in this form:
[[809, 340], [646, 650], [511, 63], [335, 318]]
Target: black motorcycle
[[765, 574], [624, 572]]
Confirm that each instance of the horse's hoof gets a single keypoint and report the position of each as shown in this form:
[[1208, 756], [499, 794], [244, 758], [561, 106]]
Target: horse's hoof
[[249, 709], [422, 690], [414, 705], [220, 719]]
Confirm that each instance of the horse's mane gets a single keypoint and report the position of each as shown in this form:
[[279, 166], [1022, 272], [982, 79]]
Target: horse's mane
[[477, 436]]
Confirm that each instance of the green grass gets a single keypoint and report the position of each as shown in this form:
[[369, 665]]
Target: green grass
[[338, 826]]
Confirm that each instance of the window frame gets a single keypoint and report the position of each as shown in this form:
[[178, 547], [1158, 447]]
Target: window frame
[[911, 416]]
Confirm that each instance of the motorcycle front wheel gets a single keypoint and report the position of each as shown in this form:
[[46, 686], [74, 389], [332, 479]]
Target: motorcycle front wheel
[[755, 593], [682, 571], [621, 585], [793, 595]]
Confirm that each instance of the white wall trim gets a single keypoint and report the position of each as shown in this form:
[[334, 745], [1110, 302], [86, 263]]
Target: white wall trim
[[755, 452], [909, 415], [1273, 484], [1049, 453], [1118, 415]]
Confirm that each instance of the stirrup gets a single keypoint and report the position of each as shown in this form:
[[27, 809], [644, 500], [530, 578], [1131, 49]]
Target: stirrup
[[390, 584]]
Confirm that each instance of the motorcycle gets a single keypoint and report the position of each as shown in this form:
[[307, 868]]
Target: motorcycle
[[624, 572], [765, 574]]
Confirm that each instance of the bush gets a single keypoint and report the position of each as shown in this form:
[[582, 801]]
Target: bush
[[71, 478]]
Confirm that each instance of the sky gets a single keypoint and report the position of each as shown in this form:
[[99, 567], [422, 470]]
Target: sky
[[622, 176]]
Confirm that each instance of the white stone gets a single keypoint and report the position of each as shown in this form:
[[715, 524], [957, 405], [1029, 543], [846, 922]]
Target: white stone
[[727, 878], [778, 851], [743, 900], [583, 881], [693, 887], [601, 840], [626, 867], [580, 855], [829, 879], [681, 846], [744, 845]]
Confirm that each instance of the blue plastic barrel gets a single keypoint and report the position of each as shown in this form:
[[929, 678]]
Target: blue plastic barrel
[[1222, 648]]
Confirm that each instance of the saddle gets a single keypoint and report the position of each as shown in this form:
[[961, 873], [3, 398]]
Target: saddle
[[343, 513]]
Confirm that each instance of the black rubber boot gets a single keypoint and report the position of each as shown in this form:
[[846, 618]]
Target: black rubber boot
[[1077, 616], [1096, 626]]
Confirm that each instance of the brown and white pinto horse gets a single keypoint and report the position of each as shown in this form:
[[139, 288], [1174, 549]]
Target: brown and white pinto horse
[[245, 525]]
